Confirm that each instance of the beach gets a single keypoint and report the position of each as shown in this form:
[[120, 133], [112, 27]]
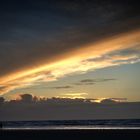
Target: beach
[[69, 134]]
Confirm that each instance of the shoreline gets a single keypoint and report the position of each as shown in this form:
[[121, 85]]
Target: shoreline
[[71, 128]]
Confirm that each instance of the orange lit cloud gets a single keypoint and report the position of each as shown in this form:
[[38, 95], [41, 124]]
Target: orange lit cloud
[[118, 50], [74, 95]]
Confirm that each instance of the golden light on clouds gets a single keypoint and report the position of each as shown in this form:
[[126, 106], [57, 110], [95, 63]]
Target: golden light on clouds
[[117, 50], [74, 95], [99, 100]]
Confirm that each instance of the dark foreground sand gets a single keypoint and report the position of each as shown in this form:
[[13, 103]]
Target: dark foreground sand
[[69, 134]]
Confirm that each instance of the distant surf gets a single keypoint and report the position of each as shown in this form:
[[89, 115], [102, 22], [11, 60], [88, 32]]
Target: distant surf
[[73, 124]]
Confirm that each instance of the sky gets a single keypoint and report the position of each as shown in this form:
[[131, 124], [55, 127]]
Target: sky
[[71, 49]]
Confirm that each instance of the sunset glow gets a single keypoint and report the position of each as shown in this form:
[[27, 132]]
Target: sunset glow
[[80, 61], [69, 60]]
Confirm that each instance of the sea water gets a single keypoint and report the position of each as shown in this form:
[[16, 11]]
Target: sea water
[[74, 124]]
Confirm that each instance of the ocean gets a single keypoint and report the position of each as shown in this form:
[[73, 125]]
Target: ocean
[[73, 124]]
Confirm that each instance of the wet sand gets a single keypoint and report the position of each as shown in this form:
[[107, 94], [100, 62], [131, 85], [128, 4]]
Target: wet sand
[[69, 134]]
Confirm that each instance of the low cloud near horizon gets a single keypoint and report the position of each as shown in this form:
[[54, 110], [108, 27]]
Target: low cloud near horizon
[[29, 107], [68, 96]]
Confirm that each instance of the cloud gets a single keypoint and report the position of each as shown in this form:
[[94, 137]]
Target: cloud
[[87, 80], [93, 81], [34, 49], [26, 97], [2, 100], [74, 95], [115, 51], [90, 83], [97, 80], [121, 55], [31, 108], [119, 99], [113, 100], [61, 87], [82, 83], [63, 98], [108, 101]]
